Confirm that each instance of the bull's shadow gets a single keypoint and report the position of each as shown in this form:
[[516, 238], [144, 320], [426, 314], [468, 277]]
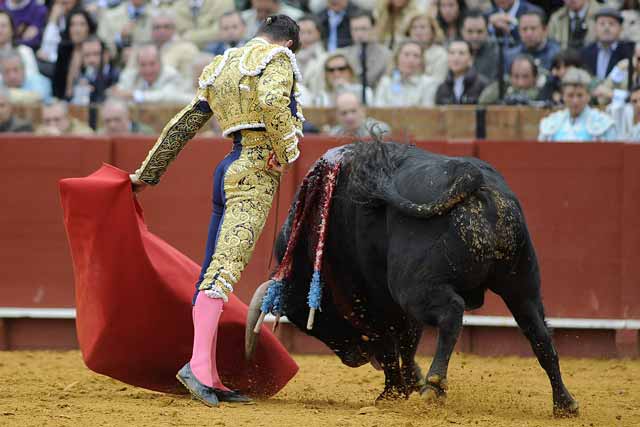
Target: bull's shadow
[[413, 239]]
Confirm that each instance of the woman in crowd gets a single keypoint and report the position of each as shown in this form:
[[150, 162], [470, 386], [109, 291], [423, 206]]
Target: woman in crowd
[[79, 26], [450, 15], [424, 28], [339, 76], [392, 20], [8, 43], [577, 122], [463, 84], [56, 24], [407, 85]]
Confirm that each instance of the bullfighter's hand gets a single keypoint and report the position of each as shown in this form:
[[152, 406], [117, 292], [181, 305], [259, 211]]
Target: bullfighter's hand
[[273, 164], [137, 185]]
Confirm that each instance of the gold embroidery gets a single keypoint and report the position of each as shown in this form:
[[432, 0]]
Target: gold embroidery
[[249, 190], [172, 140]]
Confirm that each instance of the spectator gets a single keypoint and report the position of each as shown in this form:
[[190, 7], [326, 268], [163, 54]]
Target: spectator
[[197, 20], [353, 121], [573, 25], [521, 87], [534, 41], [232, 32], [8, 121], [116, 120], [29, 18], [627, 117], [334, 23], [152, 81], [311, 52], [48, 52], [463, 84], [551, 92], [56, 121], [630, 11], [393, 20], [261, 9], [24, 88], [79, 27], [601, 56], [8, 43], [339, 76], [174, 52], [503, 19], [450, 15], [424, 28], [97, 74], [407, 85], [366, 49], [619, 76], [577, 122], [126, 25], [484, 51]]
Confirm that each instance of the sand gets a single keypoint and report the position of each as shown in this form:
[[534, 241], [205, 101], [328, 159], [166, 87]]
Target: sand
[[56, 389]]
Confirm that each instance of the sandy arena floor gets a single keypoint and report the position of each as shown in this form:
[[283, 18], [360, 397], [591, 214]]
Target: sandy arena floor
[[55, 389]]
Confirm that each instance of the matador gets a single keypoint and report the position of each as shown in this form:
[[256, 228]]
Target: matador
[[252, 93]]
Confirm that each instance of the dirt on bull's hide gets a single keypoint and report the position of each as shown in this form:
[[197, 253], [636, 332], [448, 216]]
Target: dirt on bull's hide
[[55, 389]]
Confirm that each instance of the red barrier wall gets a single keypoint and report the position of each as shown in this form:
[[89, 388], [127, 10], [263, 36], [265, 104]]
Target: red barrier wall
[[581, 202]]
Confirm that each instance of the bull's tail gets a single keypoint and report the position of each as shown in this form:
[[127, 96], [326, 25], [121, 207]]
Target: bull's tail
[[467, 181]]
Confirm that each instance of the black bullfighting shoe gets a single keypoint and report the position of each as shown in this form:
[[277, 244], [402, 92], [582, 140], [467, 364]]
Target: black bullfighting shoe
[[231, 396], [203, 393]]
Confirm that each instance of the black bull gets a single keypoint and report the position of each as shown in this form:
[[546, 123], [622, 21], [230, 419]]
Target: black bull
[[415, 239]]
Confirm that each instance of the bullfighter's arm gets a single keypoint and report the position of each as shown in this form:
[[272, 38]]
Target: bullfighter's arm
[[173, 138], [274, 91]]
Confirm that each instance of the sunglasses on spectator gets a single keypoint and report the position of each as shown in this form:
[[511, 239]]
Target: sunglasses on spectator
[[338, 68]]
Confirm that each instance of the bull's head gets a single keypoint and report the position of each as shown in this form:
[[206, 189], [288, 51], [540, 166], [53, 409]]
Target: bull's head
[[350, 345]]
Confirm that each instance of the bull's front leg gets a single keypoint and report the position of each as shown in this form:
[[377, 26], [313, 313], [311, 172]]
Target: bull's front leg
[[411, 373], [387, 355]]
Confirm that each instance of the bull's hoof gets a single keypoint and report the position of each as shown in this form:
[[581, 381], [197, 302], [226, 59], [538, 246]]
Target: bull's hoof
[[566, 410], [435, 389], [391, 394], [413, 378]]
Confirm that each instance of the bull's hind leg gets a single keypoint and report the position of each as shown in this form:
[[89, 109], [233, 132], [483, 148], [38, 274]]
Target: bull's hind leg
[[530, 317], [442, 307]]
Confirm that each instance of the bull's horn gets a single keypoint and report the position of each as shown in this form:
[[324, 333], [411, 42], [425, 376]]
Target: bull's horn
[[254, 320], [311, 318]]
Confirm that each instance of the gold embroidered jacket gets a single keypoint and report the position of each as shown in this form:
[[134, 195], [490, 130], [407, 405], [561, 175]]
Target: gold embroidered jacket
[[249, 88]]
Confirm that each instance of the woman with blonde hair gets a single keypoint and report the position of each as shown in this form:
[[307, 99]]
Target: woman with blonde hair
[[407, 85], [338, 76], [424, 28], [391, 17]]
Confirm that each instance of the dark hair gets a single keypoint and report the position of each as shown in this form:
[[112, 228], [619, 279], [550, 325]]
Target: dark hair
[[12, 24], [93, 26], [363, 14], [568, 58], [463, 41], [539, 13], [462, 11], [281, 27], [527, 58], [475, 14], [310, 18], [95, 39]]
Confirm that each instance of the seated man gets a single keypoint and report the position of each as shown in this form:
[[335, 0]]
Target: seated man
[[152, 81], [197, 20], [97, 73], [8, 121], [578, 122], [232, 32], [56, 121], [520, 89], [24, 89], [535, 41], [116, 120], [353, 121]]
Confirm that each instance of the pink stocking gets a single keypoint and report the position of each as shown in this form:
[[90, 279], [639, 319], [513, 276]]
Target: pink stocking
[[206, 314]]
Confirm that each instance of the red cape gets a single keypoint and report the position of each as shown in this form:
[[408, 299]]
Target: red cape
[[133, 297]]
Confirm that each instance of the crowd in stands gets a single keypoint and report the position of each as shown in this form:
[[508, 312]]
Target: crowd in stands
[[578, 57]]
